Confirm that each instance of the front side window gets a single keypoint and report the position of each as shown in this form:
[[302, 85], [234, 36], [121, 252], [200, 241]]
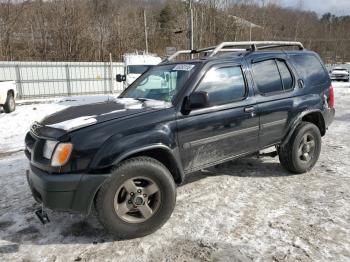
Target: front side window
[[267, 76], [161, 82], [224, 85]]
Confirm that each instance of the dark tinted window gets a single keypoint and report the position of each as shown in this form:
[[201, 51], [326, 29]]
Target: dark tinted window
[[137, 69], [286, 76], [309, 68], [267, 76], [224, 85]]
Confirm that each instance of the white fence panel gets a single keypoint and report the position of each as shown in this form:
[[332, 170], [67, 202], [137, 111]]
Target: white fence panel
[[44, 79]]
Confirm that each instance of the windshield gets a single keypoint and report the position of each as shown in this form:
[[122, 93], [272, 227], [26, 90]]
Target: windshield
[[160, 82], [137, 69]]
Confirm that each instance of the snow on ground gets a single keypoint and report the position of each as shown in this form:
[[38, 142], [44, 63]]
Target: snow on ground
[[245, 210], [14, 126]]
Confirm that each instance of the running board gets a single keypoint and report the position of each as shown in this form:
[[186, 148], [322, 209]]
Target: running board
[[269, 154]]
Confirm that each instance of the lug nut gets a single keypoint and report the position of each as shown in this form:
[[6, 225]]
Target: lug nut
[[129, 202], [139, 191], [144, 195], [132, 193]]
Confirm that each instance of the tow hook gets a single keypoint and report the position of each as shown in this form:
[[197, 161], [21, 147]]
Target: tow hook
[[42, 215]]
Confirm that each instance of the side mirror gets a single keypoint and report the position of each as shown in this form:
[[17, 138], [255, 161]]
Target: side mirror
[[121, 78], [197, 100]]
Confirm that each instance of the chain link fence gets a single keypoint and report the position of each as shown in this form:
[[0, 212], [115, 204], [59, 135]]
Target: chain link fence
[[52, 79]]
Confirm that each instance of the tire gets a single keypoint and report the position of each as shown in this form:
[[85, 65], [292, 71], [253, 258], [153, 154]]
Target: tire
[[293, 155], [130, 225], [10, 104]]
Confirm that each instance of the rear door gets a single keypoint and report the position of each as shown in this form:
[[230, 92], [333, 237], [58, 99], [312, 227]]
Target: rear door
[[228, 127], [274, 84]]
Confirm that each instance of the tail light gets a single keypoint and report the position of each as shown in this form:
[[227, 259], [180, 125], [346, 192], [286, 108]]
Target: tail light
[[331, 97]]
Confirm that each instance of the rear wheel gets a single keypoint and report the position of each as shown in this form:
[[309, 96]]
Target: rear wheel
[[10, 104], [138, 198], [302, 151]]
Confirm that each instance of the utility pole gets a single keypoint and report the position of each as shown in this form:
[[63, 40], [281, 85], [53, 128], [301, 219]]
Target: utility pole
[[145, 24], [250, 31], [191, 26]]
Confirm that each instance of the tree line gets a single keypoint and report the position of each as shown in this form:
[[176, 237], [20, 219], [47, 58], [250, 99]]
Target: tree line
[[89, 30]]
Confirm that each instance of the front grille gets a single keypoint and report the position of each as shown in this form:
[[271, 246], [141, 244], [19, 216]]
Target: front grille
[[339, 75], [30, 142]]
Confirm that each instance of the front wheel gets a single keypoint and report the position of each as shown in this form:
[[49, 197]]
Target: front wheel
[[137, 199], [302, 151], [10, 104]]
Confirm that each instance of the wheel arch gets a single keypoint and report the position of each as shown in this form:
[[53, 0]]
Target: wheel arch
[[312, 116], [11, 92], [168, 157], [317, 119]]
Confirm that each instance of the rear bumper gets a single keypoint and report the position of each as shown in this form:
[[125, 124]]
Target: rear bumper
[[329, 116], [65, 192]]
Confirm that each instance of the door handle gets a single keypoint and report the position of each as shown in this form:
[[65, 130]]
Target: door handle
[[249, 109]]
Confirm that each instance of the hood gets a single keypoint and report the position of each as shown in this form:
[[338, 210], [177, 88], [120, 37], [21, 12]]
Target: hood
[[340, 72], [84, 114]]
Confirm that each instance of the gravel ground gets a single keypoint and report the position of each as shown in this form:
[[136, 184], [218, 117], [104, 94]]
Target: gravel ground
[[245, 210]]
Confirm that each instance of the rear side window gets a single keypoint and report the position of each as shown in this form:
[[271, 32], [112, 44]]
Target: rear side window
[[286, 76], [309, 67], [267, 76], [224, 85]]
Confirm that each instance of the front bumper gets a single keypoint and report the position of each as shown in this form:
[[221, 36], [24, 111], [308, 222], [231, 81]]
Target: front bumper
[[65, 192], [340, 78]]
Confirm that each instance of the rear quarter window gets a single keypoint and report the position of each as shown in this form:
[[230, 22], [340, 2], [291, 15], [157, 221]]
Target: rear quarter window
[[309, 67]]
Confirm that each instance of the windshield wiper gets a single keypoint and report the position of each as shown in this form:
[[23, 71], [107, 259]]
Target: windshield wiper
[[142, 99]]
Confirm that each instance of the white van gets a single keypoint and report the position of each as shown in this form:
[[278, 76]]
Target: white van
[[136, 65]]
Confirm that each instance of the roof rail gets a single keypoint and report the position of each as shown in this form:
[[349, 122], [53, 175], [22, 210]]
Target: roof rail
[[253, 46]]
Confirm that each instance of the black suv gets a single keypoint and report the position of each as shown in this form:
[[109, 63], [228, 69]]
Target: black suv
[[125, 156]]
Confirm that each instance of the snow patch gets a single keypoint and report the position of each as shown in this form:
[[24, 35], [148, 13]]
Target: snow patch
[[75, 123]]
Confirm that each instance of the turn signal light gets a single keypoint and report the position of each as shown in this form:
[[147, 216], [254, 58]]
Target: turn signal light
[[62, 154]]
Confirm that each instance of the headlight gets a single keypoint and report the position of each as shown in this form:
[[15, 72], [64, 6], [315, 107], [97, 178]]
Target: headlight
[[48, 149], [62, 154]]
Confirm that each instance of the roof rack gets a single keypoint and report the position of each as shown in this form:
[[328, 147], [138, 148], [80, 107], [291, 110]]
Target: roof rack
[[253, 46]]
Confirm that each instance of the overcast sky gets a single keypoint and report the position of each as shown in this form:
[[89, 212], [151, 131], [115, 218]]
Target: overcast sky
[[339, 7]]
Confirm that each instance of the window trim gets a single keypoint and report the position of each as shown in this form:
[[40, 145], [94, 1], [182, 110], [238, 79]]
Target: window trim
[[275, 92], [290, 72], [215, 67]]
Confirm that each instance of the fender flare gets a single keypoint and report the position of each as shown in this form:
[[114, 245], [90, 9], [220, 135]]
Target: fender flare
[[297, 121], [172, 153]]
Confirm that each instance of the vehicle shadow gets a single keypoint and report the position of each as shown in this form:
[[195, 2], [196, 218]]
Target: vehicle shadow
[[243, 167]]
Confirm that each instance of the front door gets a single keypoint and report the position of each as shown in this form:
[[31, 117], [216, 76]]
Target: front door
[[226, 128], [274, 82]]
